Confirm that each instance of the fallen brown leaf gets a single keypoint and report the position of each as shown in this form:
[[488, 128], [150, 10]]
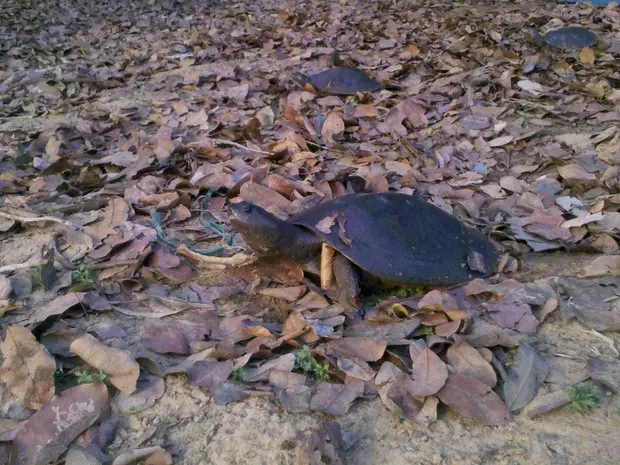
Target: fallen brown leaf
[[474, 399], [165, 340], [428, 374], [58, 422], [28, 368], [119, 364], [467, 361]]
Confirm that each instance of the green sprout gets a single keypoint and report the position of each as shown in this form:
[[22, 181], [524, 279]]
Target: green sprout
[[83, 275], [582, 398], [428, 330], [237, 374], [305, 362], [86, 377]]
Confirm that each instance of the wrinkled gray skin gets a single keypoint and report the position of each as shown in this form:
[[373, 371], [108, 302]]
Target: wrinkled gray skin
[[272, 237]]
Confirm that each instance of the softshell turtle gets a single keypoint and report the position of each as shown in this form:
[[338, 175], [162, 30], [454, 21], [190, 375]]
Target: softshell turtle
[[341, 81], [399, 239], [570, 37]]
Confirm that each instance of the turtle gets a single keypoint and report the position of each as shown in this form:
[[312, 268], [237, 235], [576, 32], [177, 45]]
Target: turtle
[[575, 37], [391, 238], [341, 80]]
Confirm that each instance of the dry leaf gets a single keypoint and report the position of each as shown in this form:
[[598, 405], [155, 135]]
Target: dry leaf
[[428, 374], [49, 431], [587, 56], [332, 126], [119, 364], [474, 399], [28, 368], [165, 340], [467, 361]]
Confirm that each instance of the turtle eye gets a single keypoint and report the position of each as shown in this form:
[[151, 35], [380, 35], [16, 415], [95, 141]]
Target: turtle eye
[[247, 209]]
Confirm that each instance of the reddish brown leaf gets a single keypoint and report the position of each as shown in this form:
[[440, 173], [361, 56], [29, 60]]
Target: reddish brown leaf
[[467, 361], [474, 399], [165, 340], [332, 126], [428, 374], [49, 431]]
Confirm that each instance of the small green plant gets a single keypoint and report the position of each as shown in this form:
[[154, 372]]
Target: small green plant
[[237, 374], [83, 275], [428, 330], [582, 398], [305, 362], [86, 377], [35, 276]]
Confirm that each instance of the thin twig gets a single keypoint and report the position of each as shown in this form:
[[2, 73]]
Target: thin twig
[[53, 219], [239, 259], [239, 146], [102, 266]]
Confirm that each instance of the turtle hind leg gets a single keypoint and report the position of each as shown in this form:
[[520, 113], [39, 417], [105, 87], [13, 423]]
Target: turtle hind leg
[[347, 286]]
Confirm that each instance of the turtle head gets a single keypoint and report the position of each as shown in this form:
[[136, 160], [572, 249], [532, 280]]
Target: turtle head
[[262, 230]]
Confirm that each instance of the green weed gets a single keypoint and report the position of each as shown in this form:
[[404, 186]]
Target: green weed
[[86, 377], [83, 275], [582, 398], [305, 362]]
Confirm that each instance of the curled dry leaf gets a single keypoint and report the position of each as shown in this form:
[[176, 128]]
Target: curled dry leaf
[[428, 374], [469, 362], [165, 340], [332, 126], [474, 399], [209, 374], [437, 300], [28, 368], [290, 294], [283, 363], [336, 399], [119, 364], [49, 431], [148, 391], [133, 455], [64, 302], [485, 334]]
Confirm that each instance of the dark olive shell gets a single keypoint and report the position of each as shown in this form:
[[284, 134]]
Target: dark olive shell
[[343, 81], [403, 239], [571, 37]]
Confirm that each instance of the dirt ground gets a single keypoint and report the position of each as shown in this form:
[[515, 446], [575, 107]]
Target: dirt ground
[[195, 430]]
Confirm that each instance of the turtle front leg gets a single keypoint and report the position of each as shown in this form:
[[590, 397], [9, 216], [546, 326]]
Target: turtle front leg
[[347, 286]]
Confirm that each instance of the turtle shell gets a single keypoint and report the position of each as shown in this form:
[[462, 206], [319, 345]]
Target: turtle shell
[[402, 239], [343, 81], [571, 37]]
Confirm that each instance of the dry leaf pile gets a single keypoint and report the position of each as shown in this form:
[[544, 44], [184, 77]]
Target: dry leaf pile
[[125, 131]]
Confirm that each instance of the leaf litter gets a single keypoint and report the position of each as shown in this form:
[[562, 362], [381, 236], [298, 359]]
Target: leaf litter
[[453, 112]]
